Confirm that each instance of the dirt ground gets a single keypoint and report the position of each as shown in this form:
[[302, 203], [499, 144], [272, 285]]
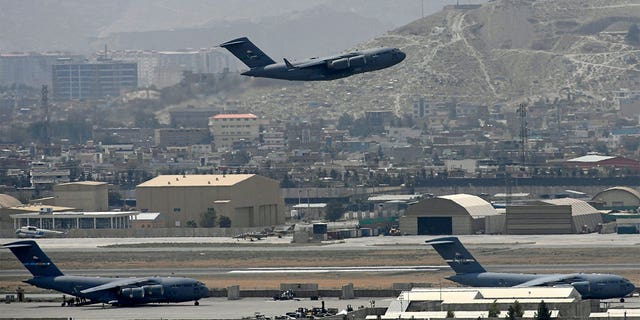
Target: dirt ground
[[254, 257]]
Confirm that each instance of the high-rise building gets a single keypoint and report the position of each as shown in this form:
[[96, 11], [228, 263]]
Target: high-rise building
[[31, 69], [89, 81]]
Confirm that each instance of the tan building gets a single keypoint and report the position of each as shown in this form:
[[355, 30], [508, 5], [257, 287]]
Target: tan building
[[557, 216], [618, 198], [249, 200], [451, 214], [228, 129], [83, 195]]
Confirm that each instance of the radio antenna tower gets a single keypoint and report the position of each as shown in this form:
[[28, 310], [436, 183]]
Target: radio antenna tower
[[522, 113], [45, 124]]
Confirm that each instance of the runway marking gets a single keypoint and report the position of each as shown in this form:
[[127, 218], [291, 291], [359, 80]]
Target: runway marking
[[341, 269]]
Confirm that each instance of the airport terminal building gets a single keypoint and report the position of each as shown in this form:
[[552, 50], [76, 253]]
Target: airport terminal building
[[248, 200]]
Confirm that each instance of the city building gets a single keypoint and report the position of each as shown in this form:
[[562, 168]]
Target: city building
[[91, 81], [248, 200], [228, 129], [32, 69], [191, 117], [82, 195], [170, 137]]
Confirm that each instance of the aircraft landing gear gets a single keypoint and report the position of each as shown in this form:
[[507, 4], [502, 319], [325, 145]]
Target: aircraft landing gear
[[621, 299], [196, 303]]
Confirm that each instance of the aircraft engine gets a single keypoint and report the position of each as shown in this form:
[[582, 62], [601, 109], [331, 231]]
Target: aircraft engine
[[339, 64], [156, 290], [582, 286], [132, 293], [358, 61]]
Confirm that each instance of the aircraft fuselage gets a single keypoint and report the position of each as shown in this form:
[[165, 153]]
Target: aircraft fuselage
[[331, 68], [158, 289], [590, 286]]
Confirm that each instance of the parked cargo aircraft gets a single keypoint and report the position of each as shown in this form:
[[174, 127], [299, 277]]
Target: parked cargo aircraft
[[314, 69], [469, 272], [114, 291], [35, 232]]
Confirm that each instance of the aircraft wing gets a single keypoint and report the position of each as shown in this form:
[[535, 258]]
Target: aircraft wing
[[546, 280], [117, 283], [311, 63]]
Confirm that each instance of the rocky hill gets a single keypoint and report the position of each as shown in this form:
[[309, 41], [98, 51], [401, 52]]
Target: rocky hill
[[503, 52]]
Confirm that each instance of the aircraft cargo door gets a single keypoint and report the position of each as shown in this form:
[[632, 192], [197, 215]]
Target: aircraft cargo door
[[434, 226]]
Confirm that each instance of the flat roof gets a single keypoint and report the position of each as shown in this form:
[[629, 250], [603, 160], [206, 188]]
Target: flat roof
[[592, 158], [84, 183], [235, 116], [196, 180], [395, 197], [75, 214]]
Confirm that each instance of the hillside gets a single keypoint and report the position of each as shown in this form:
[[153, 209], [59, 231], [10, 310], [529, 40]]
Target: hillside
[[503, 52]]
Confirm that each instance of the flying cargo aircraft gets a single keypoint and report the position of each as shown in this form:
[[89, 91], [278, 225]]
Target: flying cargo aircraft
[[469, 272], [114, 291], [314, 69]]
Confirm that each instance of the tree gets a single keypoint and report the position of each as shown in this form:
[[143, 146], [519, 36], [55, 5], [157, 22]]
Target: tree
[[494, 311], [224, 222], [208, 218], [191, 224], [517, 308], [334, 211], [451, 314], [114, 198], [543, 312]]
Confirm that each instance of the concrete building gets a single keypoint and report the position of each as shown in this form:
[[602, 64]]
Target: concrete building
[[248, 200], [618, 198], [82, 195], [228, 129], [191, 117], [474, 303], [32, 69], [452, 214], [557, 216], [67, 220], [90, 81], [599, 161], [170, 137]]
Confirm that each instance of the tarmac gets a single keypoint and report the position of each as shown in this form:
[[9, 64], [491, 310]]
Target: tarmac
[[210, 308]]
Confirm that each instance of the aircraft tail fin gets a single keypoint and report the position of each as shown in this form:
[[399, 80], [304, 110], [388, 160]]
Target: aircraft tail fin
[[247, 52], [456, 255], [33, 258]]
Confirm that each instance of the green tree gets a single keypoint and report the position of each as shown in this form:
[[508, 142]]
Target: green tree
[[517, 309], [114, 198], [208, 218], [494, 310], [224, 222], [543, 312], [191, 224], [451, 314], [334, 211]]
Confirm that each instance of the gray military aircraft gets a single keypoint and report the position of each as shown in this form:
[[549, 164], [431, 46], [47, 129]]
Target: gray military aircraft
[[114, 291], [314, 69], [469, 272]]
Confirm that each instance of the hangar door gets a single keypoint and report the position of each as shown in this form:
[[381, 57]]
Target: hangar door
[[434, 225]]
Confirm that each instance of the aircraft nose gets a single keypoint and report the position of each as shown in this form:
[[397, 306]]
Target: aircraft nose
[[402, 55]]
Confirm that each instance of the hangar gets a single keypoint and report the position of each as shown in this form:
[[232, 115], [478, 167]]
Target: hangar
[[248, 200], [451, 214], [556, 216], [618, 198]]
